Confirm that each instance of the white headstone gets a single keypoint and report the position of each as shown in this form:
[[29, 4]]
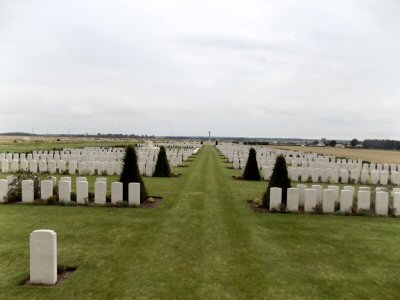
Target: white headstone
[[81, 168], [72, 167], [149, 169], [293, 199], [14, 165], [396, 203], [65, 179], [318, 188], [81, 179], [275, 198], [100, 191], [315, 175], [351, 189], [364, 200], [336, 189], [328, 201], [43, 257], [346, 201], [3, 189], [42, 166], [24, 165], [384, 177], [52, 167], [134, 193], [64, 190], [33, 166], [382, 203], [116, 192], [310, 200], [46, 189], [27, 191], [344, 176], [302, 190], [82, 192], [364, 176], [375, 174]]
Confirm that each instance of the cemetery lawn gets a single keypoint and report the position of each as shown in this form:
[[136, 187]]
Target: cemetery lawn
[[203, 242]]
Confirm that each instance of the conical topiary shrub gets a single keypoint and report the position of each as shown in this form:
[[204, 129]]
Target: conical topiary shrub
[[279, 178], [162, 166], [130, 173], [251, 171]]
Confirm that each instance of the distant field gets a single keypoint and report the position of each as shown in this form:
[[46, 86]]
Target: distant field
[[18, 144], [377, 156]]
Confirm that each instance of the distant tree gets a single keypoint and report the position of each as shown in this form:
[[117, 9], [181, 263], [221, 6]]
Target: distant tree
[[314, 142], [382, 144], [216, 143], [354, 142], [279, 178], [162, 168], [130, 173], [251, 171], [332, 143], [201, 142]]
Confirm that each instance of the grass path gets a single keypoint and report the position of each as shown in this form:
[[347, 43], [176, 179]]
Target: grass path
[[204, 242]]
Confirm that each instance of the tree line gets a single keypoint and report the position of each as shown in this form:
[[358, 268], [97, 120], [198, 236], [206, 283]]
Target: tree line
[[381, 144]]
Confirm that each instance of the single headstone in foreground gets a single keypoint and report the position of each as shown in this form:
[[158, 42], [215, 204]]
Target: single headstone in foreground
[[43, 257]]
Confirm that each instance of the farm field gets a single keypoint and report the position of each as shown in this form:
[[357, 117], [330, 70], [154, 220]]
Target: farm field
[[203, 242], [17, 144], [376, 156]]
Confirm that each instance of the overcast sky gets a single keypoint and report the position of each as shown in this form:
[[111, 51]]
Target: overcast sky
[[279, 68]]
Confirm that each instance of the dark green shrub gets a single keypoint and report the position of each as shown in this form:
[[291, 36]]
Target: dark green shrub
[[130, 173], [15, 186], [251, 171], [162, 166], [52, 200], [279, 178]]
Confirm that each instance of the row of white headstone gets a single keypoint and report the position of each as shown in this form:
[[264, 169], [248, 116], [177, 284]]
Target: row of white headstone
[[309, 198], [238, 154], [60, 167], [90, 165], [82, 190], [316, 168], [336, 176], [67, 155]]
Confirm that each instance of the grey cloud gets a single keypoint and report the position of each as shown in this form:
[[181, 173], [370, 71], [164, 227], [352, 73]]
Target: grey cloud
[[253, 68]]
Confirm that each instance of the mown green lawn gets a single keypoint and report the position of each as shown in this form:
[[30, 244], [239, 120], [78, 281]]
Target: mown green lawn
[[204, 242]]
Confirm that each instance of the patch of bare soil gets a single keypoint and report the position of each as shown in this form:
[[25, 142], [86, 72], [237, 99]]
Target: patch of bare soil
[[61, 278], [151, 202]]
